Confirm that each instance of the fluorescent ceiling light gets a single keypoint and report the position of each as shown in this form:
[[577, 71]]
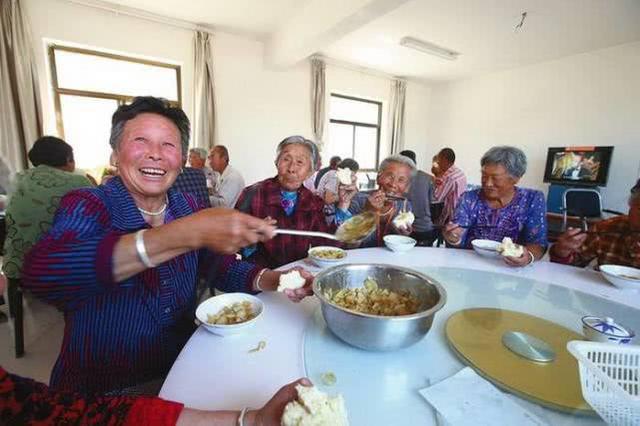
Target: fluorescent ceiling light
[[430, 48]]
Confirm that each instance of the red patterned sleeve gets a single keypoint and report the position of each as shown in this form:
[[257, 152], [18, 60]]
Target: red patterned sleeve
[[25, 401]]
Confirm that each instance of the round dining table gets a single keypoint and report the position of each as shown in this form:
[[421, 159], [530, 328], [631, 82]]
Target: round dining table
[[214, 372]]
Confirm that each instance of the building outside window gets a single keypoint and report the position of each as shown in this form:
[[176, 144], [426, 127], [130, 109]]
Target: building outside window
[[89, 85]]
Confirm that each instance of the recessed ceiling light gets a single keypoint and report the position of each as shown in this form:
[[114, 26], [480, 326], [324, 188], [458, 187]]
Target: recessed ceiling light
[[430, 48]]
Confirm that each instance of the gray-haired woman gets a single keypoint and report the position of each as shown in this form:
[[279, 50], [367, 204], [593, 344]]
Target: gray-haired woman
[[284, 199], [501, 209], [387, 202]]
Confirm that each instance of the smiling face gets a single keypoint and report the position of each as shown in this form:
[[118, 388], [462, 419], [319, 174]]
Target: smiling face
[[149, 157], [496, 182], [294, 166], [395, 179], [195, 161]]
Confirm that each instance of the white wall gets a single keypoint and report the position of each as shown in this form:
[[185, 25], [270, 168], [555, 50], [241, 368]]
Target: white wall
[[256, 107], [587, 99]]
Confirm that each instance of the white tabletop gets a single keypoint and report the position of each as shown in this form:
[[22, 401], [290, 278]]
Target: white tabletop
[[215, 372]]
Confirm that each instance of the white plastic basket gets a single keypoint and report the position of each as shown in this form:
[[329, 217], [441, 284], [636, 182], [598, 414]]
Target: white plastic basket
[[610, 379]]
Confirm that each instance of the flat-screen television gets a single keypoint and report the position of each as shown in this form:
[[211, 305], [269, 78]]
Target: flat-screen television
[[578, 165]]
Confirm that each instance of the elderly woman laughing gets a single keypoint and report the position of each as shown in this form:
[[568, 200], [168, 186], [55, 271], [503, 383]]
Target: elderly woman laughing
[[501, 209], [122, 260], [284, 199], [387, 202]]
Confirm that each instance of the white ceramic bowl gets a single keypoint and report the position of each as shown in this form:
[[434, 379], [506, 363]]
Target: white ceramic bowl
[[323, 262], [624, 277], [399, 243], [486, 248], [213, 305]]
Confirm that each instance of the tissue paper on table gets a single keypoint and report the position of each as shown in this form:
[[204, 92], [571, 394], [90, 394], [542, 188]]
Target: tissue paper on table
[[466, 398]]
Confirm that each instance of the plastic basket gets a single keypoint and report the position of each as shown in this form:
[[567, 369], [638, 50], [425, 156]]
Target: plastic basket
[[610, 379]]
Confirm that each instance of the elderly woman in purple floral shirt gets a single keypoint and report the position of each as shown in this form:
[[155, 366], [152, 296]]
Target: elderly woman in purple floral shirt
[[501, 209]]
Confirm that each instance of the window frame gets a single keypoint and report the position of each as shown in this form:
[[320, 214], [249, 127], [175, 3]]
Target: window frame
[[356, 124], [121, 99]]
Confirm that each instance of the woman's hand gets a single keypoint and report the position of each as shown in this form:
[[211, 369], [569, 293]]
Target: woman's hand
[[376, 201], [452, 233], [226, 230], [347, 192], [524, 260], [404, 230], [271, 413], [271, 279], [569, 242]]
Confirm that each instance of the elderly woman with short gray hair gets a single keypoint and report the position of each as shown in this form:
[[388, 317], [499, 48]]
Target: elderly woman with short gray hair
[[501, 209], [286, 200], [387, 202]]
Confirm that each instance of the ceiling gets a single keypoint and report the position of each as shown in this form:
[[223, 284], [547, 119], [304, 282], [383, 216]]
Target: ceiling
[[483, 31]]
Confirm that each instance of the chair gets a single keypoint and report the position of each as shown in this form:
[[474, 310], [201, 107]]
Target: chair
[[436, 211], [584, 203], [16, 312]]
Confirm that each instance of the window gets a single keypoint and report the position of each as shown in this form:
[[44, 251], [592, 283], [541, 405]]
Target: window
[[88, 86], [354, 130]]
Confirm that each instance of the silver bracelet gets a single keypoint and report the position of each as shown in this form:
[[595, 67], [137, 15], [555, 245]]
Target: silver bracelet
[[260, 277], [531, 259], [142, 250], [241, 416]]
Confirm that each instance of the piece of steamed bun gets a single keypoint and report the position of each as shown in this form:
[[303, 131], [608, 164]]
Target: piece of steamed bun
[[315, 408], [344, 176], [508, 248], [291, 280], [404, 220]]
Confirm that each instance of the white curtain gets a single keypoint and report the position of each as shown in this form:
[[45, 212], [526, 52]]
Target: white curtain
[[204, 123], [396, 115], [317, 99], [20, 106]]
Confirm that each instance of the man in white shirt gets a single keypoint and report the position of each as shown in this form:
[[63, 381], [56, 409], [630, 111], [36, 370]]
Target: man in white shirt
[[231, 181]]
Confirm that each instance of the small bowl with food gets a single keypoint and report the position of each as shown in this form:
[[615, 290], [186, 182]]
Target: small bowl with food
[[486, 248], [230, 313], [623, 277], [399, 243], [325, 256]]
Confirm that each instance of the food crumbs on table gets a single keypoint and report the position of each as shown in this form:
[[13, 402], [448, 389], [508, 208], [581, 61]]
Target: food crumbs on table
[[261, 345], [328, 378]]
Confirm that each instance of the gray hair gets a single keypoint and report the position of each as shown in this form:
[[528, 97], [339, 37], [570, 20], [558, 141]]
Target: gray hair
[[510, 157], [397, 158], [200, 152], [314, 154], [152, 105]]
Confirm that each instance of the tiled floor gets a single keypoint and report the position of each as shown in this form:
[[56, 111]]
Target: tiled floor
[[43, 334]]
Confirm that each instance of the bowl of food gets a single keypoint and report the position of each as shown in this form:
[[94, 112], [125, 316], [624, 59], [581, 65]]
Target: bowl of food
[[325, 256], [230, 313], [399, 243], [378, 307], [623, 277], [486, 248]]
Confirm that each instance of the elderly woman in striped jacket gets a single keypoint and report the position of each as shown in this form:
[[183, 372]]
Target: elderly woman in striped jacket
[[122, 260]]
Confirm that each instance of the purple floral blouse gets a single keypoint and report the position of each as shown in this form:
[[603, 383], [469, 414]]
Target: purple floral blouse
[[523, 220]]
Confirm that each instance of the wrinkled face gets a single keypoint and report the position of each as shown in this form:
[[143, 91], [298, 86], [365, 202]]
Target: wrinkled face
[[195, 161], [496, 182], [216, 161], [294, 166], [634, 213], [395, 179], [149, 155]]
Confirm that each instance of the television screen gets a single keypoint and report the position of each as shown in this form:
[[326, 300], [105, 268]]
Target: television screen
[[581, 165]]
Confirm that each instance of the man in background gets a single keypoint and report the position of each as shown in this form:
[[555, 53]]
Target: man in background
[[420, 192], [450, 183], [231, 181], [197, 160]]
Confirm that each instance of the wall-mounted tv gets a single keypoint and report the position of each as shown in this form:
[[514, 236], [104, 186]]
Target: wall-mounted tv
[[578, 165]]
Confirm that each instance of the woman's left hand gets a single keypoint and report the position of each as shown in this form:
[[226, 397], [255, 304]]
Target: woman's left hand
[[300, 293], [404, 230], [521, 261]]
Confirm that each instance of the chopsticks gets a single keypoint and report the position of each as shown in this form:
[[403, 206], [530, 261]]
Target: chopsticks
[[467, 226]]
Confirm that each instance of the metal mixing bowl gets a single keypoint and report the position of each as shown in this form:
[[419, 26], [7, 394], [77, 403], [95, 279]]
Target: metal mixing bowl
[[374, 332]]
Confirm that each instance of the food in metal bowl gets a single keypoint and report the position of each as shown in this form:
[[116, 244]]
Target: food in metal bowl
[[378, 332], [370, 299]]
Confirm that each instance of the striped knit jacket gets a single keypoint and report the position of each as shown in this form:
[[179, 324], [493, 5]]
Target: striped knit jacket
[[119, 334]]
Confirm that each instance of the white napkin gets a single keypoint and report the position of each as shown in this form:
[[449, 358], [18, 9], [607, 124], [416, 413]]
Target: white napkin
[[467, 399]]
